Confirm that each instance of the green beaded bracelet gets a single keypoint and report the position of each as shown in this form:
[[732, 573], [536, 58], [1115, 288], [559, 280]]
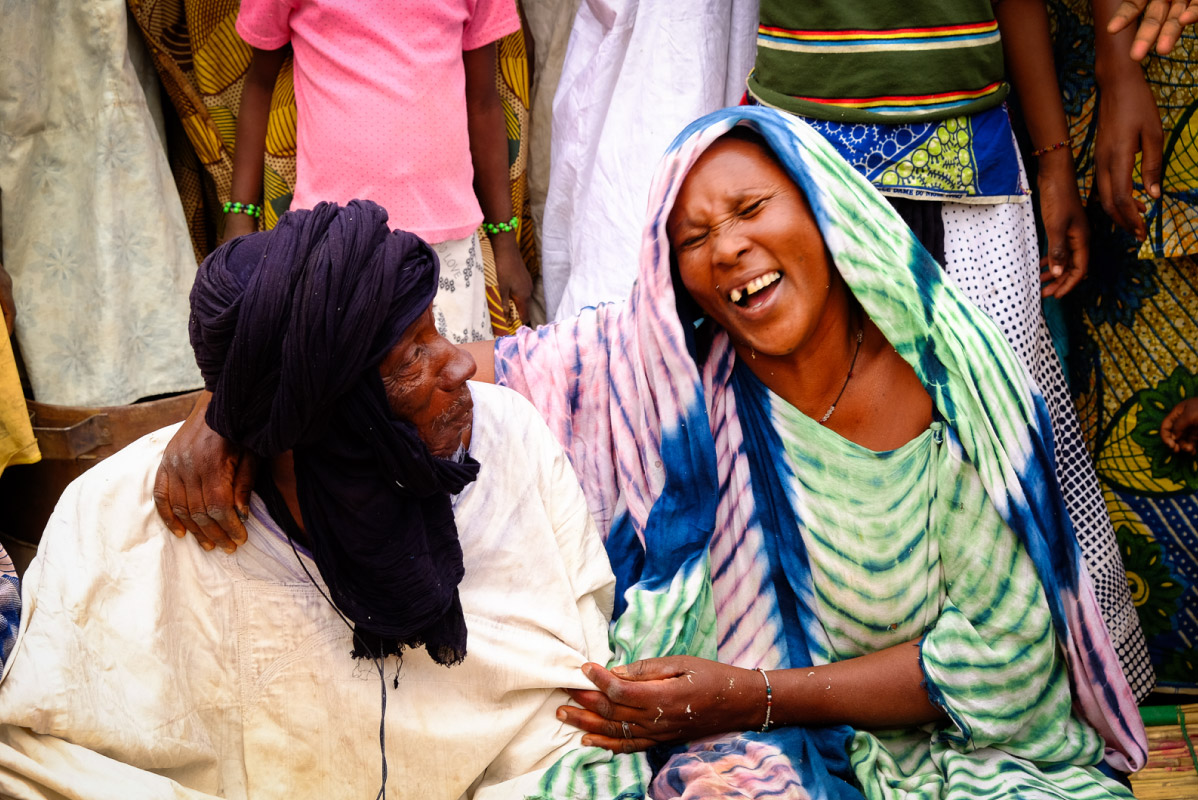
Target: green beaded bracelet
[[243, 208], [502, 227]]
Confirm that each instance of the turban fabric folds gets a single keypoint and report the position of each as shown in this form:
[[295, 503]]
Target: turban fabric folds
[[289, 328]]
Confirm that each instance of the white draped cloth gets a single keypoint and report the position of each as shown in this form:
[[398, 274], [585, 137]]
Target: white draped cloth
[[147, 668], [635, 73], [94, 233]]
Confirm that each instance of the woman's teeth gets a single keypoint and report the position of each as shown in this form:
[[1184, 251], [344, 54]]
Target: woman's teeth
[[753, 287]]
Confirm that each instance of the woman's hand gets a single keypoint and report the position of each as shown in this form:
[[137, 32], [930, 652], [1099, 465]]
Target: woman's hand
[[203, 484], [1065, 227], [511, 273], [1179, 431], [1161, 23], [1128, 123], [659, 700]]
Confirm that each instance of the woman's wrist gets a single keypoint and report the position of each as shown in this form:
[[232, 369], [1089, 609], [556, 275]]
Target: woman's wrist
[[767, 718]]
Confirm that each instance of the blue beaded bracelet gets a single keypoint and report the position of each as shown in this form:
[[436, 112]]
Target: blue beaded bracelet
[[502, 227], [243, 208]]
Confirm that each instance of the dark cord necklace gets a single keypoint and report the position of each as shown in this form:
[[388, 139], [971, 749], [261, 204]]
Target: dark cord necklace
[[853, 363]]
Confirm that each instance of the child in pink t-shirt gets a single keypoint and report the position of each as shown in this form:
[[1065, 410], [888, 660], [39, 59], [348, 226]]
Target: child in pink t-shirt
[[397, 104]]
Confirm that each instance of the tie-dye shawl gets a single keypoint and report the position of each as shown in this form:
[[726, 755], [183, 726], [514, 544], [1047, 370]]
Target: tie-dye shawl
[[673, 473]]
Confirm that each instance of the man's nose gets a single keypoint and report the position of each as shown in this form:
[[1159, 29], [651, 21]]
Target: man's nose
[[461, 368]]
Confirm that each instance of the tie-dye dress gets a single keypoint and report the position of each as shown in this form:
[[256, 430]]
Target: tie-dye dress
[[727, 521], [882, 533]]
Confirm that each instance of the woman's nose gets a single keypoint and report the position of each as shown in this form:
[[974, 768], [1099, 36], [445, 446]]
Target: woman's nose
[[729, 246]]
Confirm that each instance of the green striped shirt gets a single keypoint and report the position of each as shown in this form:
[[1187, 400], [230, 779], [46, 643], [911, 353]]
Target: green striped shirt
[[880, 62]]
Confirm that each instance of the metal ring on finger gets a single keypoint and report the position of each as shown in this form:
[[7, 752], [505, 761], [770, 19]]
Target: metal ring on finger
[[627, 732]]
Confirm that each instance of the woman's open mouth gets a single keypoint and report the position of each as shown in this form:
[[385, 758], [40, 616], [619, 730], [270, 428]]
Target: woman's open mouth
[[755, 292]]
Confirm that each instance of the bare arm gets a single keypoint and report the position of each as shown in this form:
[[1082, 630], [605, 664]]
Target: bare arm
[[684, 698], [1128, 123], [250, 149], [488, 152], [1027, 49], [483, 354]]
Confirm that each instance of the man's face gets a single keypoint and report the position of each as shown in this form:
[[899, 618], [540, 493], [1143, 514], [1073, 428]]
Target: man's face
[[425, 377]]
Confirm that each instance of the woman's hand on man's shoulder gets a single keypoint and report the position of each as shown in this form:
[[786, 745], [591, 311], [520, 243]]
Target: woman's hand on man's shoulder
[[203, 484]]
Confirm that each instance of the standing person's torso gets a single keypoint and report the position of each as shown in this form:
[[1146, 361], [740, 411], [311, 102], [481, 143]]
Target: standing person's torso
[[380, 91], [869, 61]]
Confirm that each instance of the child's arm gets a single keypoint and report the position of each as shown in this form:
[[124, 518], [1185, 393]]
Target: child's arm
[[250, 147], [1128, 123], [1027, 49], [488, 151]]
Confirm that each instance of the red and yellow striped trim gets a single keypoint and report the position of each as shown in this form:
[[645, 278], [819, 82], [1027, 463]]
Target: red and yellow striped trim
[[938, 31], [905, 100]]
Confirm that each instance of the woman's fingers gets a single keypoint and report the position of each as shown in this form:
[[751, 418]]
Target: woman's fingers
[[162, 502], [1152, 157], [1168, 432], [617, 735], [211, 532], [1114, 189], [204, 483], [243, 486], [597, 702], [652, 669]]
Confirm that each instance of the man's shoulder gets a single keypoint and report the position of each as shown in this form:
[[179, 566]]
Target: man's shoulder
[[129, 472], [115, 497], [508, 427], [507, 408]]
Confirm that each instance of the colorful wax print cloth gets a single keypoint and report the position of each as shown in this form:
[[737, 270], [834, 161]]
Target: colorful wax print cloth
[[1133, 340], [202, 63], [961, 159], [512, 82], [17, 442], [230, 675], [94, 236], [671, 458], [865, 61]]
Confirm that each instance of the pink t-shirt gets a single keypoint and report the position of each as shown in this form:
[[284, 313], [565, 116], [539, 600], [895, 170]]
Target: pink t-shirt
[[381, 93]]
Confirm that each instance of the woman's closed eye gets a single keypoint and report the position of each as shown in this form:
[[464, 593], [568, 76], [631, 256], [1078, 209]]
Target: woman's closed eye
[[751, 208]]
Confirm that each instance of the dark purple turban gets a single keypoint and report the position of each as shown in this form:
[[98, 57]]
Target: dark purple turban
[[289, 328]]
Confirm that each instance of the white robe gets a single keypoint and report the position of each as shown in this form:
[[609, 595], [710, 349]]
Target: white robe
[[148, 668], [636, 72]]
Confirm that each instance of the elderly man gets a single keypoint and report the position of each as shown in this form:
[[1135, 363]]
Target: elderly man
[[435, 518]]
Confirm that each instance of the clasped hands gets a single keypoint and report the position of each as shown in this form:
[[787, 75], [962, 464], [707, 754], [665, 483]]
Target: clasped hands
[[662, 700]]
